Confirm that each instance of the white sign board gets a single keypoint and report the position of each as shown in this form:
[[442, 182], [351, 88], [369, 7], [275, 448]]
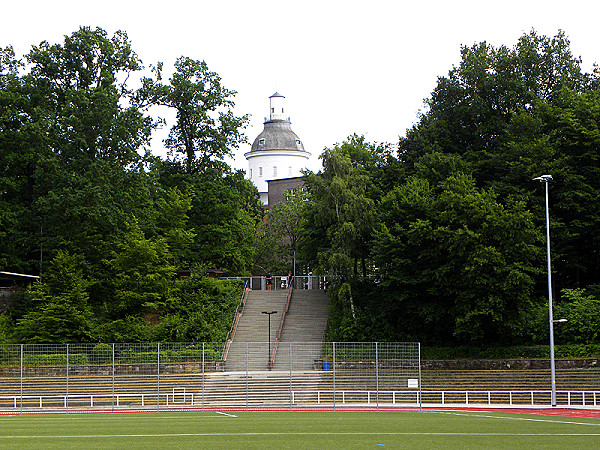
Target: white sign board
[[413, 383]]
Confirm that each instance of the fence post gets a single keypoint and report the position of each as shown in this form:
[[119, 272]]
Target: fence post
[[291, 389], [377, 374], [202, 378], [246, 376], [21, 411], [158, 377], [112, 400], [420, 389], [67, 393], [333, 360]]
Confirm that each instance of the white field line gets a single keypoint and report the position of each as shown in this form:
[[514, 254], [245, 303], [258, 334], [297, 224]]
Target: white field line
[[525, 419], [225, 414], [94, 436]]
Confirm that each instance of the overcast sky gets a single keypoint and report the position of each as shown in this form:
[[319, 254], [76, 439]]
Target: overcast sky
[[344, 66]]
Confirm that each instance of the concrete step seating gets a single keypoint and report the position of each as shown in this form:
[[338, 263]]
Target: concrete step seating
[[535, 379], [305, 323]]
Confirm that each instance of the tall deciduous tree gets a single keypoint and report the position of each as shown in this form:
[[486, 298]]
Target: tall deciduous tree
[[74, 137], [341, 217], [505, 115], [206, 129], [460, 262], [284, 230]]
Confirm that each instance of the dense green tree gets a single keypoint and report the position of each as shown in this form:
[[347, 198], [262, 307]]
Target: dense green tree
[[74, 173], [460, 262], [341, 215], [581, 308], [72, 167], [206, 129], [283, 231], [507, 114], [143, 274], [59, 310], [224, 209]]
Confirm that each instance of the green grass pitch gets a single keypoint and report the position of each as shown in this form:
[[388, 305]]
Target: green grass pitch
[[302, 429]]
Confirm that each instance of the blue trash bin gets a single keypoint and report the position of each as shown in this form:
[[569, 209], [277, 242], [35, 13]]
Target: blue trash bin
[[326, 365]]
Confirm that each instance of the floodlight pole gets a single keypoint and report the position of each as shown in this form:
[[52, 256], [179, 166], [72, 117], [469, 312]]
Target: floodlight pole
[[545, 179], [269, 348]]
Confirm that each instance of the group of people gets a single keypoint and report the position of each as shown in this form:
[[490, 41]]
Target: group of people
[[286, 282]]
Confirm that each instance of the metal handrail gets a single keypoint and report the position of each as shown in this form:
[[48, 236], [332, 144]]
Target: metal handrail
[[238, 313], [287, 306]]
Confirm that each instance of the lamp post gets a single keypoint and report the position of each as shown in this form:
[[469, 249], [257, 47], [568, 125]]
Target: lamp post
[[269, 348], [545, 179]]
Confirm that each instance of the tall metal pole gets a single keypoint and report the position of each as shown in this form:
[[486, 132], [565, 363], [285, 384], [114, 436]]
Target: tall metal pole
[[550, 315], [545, 179]]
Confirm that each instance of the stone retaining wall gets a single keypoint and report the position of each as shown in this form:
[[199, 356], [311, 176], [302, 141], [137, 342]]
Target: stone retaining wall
[[506, 364]]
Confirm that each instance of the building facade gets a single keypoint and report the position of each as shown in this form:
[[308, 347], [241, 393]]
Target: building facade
[[277, 153]]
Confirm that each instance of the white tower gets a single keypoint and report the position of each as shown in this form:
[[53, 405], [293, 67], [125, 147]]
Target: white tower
[[277, 152]]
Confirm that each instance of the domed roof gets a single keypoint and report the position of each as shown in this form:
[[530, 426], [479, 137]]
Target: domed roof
[[277, 135]]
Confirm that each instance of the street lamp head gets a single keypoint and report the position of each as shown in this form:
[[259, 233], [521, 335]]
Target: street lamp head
[[543, 178]]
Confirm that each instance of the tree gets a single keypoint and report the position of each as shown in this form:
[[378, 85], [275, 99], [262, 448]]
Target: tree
[[460, 261], [72, 140], [59, 310], [581, 308], [341, 219], [143, 274], [284, 229], [505, 115], [206, 129]]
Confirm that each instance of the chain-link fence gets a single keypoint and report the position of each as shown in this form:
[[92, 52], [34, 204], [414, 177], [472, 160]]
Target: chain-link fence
[[195, 375], [161, 376]]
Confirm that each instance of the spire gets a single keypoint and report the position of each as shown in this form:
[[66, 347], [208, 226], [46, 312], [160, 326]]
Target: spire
[[276, 103]]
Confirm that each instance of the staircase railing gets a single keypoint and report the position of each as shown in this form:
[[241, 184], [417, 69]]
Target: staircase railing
[[238, 313], [287, 306]]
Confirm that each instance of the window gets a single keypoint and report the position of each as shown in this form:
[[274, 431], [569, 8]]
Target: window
[[290, 171], [260, 171], [250, 173], [274, 171], [261, 141]]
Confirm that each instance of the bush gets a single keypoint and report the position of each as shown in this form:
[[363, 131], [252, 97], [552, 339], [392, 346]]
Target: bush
[[513, 352], [57, 359], [102, 354]]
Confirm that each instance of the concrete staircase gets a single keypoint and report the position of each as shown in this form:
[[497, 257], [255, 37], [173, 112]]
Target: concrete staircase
[[305, 324], [251, 334]]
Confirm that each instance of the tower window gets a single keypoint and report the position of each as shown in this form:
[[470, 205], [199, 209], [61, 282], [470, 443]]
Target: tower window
[[250, 173], [274, 171], [260, 171], [290, 171]]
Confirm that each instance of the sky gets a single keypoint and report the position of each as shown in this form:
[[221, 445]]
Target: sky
[[344, 67]]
